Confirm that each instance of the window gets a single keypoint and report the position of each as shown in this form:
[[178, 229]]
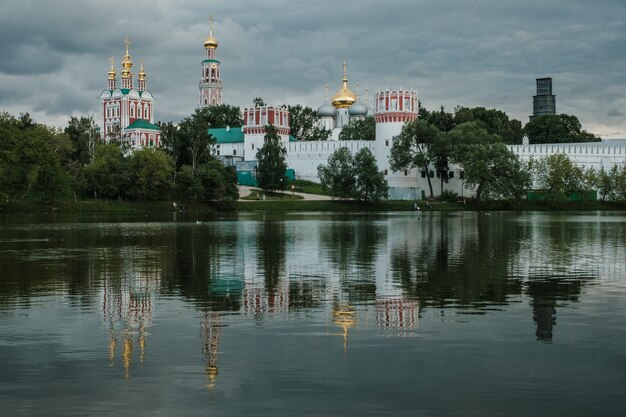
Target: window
[[423, 174], [431, 174], [406, 172], [387, 142], [234, 151], [386, 172], [218, 152], [451, 174], [253, 146]]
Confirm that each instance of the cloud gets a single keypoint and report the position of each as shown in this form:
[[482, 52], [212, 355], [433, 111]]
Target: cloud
[[453, 52]]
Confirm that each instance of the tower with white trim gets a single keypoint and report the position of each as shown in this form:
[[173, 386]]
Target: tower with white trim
[[210, 80], [392, 110]]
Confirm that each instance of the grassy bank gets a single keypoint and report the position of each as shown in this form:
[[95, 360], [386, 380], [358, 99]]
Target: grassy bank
[[278, 205]]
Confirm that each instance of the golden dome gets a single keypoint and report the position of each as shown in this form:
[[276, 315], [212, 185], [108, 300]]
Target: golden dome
[[127, 62], [142, 73], [112, 70], [210, 42], [344, 98]]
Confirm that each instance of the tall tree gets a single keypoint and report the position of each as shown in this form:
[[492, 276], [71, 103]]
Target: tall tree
[[353, 177], [303, 124], [370, 182], [338, 174], [83, 133], [493, 121], [410, 149], [561, 128], [271, 162], [364, 129], [558, 176], [151, 174], [492, 169], [105, 176]]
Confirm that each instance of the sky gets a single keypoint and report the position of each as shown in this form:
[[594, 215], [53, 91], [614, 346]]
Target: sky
[[54, 55]]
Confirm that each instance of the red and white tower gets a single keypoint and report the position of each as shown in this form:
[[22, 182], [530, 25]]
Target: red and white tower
[[210, 79], [393, 109], [126, 113], [255, 120]]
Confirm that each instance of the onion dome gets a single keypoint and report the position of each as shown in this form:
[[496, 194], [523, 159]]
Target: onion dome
[[142, 73], [112, 73], [358, 108], [210, 42], [344, 98], [326, 110], [127, 63]]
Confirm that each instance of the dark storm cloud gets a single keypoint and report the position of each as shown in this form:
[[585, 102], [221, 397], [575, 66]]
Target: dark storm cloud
[[453, 52]]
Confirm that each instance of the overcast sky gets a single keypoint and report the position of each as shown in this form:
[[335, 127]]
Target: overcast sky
[[54, 55]]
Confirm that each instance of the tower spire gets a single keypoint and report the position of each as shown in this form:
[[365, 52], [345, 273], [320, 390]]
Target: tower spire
[[210, 79], [112, 75], [141, 77], [127, 64]]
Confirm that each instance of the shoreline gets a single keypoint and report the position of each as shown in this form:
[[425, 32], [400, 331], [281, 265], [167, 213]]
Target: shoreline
[[139, 207]]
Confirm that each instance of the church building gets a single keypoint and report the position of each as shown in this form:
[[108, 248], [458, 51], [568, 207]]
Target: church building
[[127, 110]]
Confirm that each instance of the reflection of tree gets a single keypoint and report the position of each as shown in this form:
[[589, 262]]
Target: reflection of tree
[[198, 269], [271, 240], [352, 247], [458, 261]]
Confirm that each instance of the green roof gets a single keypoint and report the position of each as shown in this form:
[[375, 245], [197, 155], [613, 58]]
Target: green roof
[[230, 135], [292, 139], [143, 124], [210, 60]]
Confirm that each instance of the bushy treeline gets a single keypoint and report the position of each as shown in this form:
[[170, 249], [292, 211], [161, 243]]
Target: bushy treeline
[[40, 162]]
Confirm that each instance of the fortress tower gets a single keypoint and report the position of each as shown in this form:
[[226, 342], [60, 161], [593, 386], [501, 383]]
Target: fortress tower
[[255, 120], [210, 80], [392, 110]]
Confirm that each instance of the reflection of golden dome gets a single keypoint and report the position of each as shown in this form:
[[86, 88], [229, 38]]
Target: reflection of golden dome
[[344, 317], [344, 98]]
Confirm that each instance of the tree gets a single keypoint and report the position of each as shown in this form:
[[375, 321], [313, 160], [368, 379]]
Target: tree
[[364, 129], [258, 102], [494, 121], [410, 148], [150, 174], [83, 134], [370, 183], [561, 128], [357, 177], [303, 124], [338, 175], [492, 169], [194, 142], [606, 182], [271, 162], [105, 177], [443, 120], [558, 176]]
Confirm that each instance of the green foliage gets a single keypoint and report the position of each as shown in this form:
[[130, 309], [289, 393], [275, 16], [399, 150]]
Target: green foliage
[[33, 159], [258, 102], [189, 142], [492, 169], [441, 119], [150, 174], [338, 174], [82, 132], [356, 177], [303, 124], [410, 148], [494, 121], [448, 196], [560, 128], [364, 129], [558, 176], [271, 162], [105, 177]]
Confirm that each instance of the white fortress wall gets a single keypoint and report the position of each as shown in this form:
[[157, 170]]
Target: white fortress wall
[[588, 155], [304, 157]]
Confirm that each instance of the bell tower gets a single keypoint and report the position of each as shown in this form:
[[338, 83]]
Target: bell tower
[[210, 79]]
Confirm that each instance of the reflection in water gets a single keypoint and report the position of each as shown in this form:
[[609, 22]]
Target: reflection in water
[[210, 332]]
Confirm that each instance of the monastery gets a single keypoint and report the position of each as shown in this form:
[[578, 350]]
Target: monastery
[[132, 108]]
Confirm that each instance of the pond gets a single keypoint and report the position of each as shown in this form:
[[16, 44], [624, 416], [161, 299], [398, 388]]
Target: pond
[[313, 314]]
